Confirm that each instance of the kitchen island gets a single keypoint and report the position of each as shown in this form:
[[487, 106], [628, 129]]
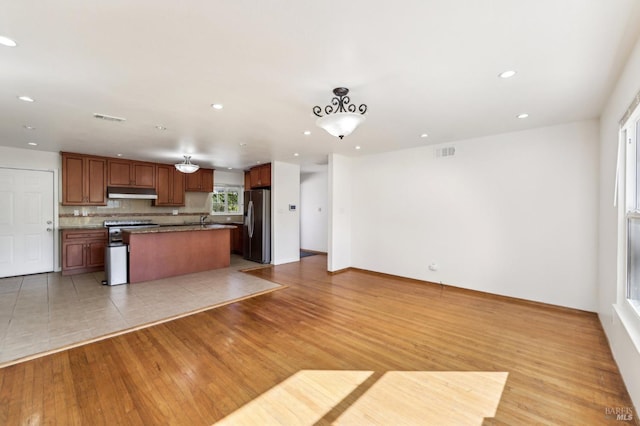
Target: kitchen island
[[176, 250]]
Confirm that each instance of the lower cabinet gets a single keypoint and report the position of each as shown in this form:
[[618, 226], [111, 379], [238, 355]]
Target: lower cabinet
[[83, 250], [236, 240]]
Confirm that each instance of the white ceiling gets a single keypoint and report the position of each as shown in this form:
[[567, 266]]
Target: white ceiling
[[421, 66]]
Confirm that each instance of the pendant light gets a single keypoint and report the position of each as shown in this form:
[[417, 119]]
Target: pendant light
[[342, 117], [187, 166]]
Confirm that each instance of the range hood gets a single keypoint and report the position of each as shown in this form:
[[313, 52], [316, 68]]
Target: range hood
[[132, 193]]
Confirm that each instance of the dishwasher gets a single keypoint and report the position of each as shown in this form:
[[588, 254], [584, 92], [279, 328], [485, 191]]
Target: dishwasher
[[116, 263]]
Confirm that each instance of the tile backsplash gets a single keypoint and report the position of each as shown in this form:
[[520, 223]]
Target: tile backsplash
[[196, 204]]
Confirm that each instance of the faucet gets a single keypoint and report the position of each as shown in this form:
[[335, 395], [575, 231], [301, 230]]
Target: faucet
[[203, 218]]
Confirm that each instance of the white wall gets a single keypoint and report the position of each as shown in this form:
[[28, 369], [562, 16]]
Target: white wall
[[339, 244], [221, 177], [313, 211], [611, 234], [511, 214], [285, 224]]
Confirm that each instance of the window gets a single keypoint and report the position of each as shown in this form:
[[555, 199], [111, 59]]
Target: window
[[226, 200], [630, 137]]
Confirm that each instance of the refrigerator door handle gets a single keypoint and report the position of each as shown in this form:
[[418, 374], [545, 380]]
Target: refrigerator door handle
[[250, 219]]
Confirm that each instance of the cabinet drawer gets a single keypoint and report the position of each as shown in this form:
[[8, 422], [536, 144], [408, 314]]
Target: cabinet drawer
[[72, 235]]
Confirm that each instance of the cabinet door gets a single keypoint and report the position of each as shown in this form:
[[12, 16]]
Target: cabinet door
[[207, 180], [265, 175], [96, 181], [177, 190], [95, 253], [194, 181], [72, 179], [143, 174], [247, 180], [255, 177], [119, 172], [164, 176], [73, 255]]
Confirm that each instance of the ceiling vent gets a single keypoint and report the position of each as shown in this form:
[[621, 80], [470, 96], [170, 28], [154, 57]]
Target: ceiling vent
[[108, 117], [447, 151]]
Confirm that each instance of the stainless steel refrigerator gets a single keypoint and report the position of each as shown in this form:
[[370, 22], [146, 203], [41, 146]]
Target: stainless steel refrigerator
[[257, 225]]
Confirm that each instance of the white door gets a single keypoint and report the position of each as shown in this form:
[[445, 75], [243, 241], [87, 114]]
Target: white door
[[26, 222]]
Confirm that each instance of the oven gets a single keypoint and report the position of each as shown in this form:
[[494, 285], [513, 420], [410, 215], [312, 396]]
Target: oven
[[116, 260]]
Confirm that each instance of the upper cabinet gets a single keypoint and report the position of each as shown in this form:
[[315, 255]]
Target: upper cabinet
[[84, 180], [260, 176], [170, 185], [200, 181], [135, 174]]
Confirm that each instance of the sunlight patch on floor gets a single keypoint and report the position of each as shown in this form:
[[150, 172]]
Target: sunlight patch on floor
[[398, 397]]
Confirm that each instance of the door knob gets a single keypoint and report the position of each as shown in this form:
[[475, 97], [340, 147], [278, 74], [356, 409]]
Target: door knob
[[49, 229]]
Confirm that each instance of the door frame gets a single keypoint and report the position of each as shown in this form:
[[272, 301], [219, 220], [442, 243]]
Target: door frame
[[56, 203]]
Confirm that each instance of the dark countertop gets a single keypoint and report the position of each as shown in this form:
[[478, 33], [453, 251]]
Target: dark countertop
[[178, 228]]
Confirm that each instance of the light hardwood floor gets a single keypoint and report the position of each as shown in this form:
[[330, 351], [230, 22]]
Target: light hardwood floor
[[350, 348]]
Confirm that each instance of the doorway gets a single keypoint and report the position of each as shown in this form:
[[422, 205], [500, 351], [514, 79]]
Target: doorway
[[26, 222]]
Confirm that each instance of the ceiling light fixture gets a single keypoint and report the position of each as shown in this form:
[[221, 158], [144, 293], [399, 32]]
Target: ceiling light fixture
[[26, 98], [32, 144], [523, 115], [217, 106], [358, 147], [158, 127], [187, 166], [424, 135], [340, 118], [29, 127], [6, 41], [295, 154], [307, 132], [507, 74]]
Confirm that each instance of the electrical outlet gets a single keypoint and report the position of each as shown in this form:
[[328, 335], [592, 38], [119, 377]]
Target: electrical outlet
[[175, 212], [76, 212]]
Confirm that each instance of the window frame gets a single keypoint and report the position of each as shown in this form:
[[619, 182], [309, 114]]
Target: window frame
[[228, 188]]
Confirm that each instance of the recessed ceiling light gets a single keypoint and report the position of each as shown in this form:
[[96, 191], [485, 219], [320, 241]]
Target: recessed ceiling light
[[32, 144], [26, 98], [243, 145], [307, 132], [229, 168], [257, 162], [29, 127], [424, 135], [119, 155], [295, 154], [358, 147], [507, 74], [523, 115], [217, 106], [6, 41], [161, 128]]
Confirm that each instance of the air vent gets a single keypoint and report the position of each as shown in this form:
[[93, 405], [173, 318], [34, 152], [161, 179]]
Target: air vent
[[447, 151], [108, 117]]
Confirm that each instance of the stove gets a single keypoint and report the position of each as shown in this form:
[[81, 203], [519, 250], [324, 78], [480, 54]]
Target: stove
[[115, 228]]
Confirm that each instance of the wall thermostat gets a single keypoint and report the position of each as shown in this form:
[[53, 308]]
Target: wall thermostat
[[292, 207]]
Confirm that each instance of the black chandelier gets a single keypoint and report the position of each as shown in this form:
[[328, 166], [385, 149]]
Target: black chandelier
[[341, 117]]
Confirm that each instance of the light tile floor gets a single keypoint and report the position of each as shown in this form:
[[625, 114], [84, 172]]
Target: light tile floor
[[44, 312]]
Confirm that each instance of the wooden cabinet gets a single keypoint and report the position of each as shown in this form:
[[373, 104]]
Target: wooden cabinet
[[247, 180], [137, 174], [170, 185], [200, 181], [83, 250], [260, 176], [236, 239], [84, 180]]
